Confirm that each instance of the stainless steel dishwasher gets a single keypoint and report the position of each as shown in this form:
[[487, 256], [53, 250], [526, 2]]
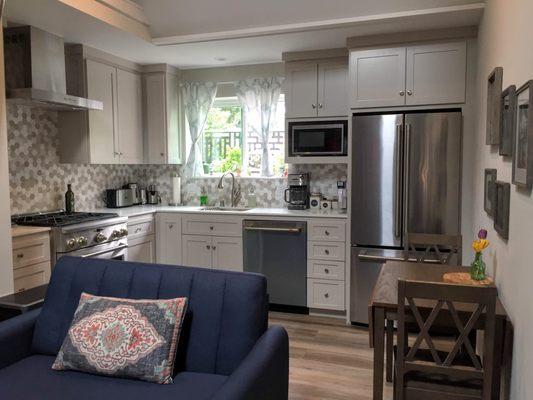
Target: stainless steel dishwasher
[[278, 250]]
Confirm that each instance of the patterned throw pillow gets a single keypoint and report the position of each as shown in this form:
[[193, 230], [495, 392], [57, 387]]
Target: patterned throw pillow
[[123, 338]]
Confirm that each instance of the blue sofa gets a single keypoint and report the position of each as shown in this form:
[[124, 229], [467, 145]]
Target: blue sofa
[[226, 352]]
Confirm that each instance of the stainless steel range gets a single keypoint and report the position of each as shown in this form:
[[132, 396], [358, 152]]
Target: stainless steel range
[[81, 234]]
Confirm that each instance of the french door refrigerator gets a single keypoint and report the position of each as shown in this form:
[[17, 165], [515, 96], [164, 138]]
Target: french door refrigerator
[[406, 174]]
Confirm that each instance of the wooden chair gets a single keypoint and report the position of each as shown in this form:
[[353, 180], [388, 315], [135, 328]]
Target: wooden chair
[[425, 246], [446, 249], [440, 375]]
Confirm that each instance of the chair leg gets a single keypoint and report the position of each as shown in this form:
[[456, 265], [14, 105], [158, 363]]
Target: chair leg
[[389, 350]]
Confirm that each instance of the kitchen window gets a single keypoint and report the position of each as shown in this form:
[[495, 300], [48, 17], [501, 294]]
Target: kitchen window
[[230, 144]]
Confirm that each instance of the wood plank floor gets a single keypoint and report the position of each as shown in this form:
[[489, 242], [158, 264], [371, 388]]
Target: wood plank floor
[[328, 359]]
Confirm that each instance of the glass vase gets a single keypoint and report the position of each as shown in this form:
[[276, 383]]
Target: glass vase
[[477, 268]]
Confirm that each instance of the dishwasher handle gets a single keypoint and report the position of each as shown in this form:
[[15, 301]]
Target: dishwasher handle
[[272, 229]]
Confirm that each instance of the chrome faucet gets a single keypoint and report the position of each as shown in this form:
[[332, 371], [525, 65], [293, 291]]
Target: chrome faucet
[[235, 190]]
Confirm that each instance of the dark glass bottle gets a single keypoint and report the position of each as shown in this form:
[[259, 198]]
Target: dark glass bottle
[[69, 199]]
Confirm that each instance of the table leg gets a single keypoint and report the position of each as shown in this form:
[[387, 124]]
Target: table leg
[[379, 351], [390, 348], [507, 359], [498, 352]]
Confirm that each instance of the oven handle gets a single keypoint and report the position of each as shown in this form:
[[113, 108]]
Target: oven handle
[[99, 253]]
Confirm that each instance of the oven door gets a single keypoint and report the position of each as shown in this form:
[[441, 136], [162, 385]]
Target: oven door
[[320, 138], [116, 250]]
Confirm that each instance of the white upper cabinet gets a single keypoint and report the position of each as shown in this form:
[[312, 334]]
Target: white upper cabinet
[[113, 135], [316, 89], [332, 89], [163, 145], [416, 75], [436, 74], [103, 141], [130, 117], [301, 89], [377, 78]]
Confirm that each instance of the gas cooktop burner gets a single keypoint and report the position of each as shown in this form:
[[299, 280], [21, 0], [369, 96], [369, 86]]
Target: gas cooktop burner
[[59, 218]]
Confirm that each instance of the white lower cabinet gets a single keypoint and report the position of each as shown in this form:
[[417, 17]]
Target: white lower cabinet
[[141, 239], [325, 294], [217, 252], [168, 238]]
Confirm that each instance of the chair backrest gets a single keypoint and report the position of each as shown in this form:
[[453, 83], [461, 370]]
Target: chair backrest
[[227, 311], [424, 246], [467, 307]]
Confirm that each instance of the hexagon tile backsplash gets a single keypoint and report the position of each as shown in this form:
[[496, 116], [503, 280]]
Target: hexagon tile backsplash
[[38, 181]]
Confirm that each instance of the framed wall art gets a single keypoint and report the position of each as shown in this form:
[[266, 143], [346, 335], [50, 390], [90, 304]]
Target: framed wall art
[[508, 119], [502, 195], [490, 180], [494, 103], [523, 138]]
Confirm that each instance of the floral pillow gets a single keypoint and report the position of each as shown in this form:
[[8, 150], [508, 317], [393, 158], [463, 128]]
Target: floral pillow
[[123, 338]]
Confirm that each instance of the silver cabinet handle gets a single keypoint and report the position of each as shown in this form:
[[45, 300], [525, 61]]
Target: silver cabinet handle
[[326, 251], [326, 295], [320, 105], [402, 93], [170, 226], [291, 230], [326, 271], [207, 247], [214, 247], [409, 92], [20, 255], [326, 233], [162, 154], [314, 106], [211, 228]]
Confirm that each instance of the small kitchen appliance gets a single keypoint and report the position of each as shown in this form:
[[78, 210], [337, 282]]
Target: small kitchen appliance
[[118, 198], [153, 196], [318, 138], [142, 196], [314, 201], [297, 194], [342, 195], [135, 193]]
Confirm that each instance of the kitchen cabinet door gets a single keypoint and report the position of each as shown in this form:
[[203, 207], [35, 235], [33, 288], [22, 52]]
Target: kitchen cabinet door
[[227, 253], [301, 88], [436, 73], [142, 249], [332, 89], [130, 117], [101, 85], [168, 239], [377, 78], [197, 251]]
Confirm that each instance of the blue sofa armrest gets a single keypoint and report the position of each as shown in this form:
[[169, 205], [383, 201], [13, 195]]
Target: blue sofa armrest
[[16, 336], [264, 373]]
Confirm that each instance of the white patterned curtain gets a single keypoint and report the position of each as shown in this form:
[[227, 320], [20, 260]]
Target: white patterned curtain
[[197, 99], [259, 97]]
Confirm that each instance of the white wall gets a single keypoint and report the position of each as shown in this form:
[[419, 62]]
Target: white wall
[[6, 267], [505, 39]]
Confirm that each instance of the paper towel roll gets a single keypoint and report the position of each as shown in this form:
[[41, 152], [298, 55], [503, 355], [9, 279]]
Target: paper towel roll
[[176, 190]]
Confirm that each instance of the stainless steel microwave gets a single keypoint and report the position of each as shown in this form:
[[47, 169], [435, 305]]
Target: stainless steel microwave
[[318, 138]]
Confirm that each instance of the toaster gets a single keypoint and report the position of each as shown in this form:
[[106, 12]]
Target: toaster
[[117, 198]]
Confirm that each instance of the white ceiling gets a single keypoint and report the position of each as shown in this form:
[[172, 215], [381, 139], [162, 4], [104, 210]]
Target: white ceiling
[[185, 17]]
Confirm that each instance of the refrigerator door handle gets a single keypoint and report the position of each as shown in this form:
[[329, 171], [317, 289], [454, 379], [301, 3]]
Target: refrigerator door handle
[[407, 145], [398, 195]]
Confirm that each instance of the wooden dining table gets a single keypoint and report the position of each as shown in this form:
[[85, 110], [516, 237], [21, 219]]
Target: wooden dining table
[[384, 305]]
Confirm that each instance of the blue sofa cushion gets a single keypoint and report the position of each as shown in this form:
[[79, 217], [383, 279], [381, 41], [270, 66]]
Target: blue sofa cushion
[[227, 310], [123, 338], [33, 379]]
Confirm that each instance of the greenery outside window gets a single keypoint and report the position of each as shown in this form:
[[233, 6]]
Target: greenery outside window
[[228, 147]]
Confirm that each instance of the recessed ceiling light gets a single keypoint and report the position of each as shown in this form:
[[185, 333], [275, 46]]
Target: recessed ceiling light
[[220, 58]]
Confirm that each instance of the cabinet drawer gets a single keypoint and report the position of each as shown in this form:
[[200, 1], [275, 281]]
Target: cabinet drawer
[[333, 270], [140, 226], [332, 231], [31, 249], [212, 226], [29, 277], [326, 251], [325, 294]]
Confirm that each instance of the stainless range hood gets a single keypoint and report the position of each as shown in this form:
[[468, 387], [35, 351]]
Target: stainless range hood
[[35, 71]]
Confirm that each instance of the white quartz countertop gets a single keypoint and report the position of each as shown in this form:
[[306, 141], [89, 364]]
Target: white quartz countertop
[[268, 212]]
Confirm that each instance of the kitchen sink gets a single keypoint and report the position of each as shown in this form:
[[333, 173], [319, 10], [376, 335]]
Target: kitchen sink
[[217, 208]]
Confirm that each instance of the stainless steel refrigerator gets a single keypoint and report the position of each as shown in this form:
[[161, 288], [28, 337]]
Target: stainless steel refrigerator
[[406, 174]]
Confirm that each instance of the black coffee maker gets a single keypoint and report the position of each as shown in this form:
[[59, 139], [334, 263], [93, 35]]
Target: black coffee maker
[[297, 195]]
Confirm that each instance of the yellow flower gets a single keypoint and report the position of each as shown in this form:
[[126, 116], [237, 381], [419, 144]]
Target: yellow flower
[[480, 244]]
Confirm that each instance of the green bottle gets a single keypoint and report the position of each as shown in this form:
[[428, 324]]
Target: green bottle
[[69, 200], [203, 196]]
